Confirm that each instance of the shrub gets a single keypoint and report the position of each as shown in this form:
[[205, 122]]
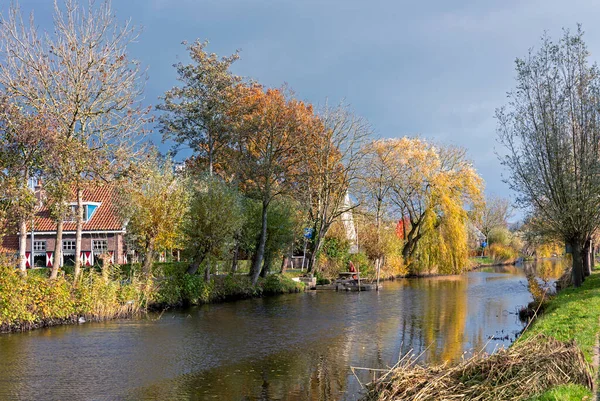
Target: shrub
[[33, 301], [502, 253], [279, 284]]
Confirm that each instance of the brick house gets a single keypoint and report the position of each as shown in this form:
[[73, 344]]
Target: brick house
[[103, 231]]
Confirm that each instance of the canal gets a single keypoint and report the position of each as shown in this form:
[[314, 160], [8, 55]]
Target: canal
[[292, 347]]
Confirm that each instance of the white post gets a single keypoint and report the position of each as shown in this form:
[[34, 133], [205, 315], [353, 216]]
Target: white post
[[304, 255], [32, 250]]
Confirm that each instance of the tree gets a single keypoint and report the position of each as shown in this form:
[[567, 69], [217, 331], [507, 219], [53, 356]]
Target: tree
[[196, 112], [373, 188], [80, 77], [281, 231], [270, 128], [24, 141], [156, 203], [215, 216], [492, 214], [432, 185], [551, 132], [330, 164]]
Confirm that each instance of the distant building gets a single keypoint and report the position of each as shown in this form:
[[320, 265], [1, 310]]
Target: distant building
[[102, 236], [348, 221]]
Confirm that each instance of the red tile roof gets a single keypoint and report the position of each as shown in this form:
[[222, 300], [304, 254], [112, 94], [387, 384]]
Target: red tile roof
[[105, 218], [9, 244]]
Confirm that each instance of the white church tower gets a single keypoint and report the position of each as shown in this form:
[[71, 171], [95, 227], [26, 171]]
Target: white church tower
[[348, 221]]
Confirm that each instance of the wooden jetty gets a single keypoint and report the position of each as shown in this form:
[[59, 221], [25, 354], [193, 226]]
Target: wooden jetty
[[347, 282]]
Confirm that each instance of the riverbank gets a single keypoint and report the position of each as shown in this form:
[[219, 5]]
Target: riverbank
[[569, 324], [33, 301], [572, 315], [481, 262]]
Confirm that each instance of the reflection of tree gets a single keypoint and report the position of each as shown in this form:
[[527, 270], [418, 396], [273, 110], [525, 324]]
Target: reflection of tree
[[444, 317], [286, 376], [545, 269]]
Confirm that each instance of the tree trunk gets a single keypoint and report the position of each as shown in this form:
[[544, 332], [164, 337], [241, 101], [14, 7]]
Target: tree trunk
[[285, 260], [236, 252], [577, 272], [378, 273], [267, 264], [207, 272], [195, 265], [57, 249], [147, 267], [23, 246], [78, 231], [312, 261], [260, 249], [587, 262]]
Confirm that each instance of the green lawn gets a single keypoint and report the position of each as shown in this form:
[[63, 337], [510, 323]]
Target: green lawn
[[572, 315], [564, 393], [478, 260]]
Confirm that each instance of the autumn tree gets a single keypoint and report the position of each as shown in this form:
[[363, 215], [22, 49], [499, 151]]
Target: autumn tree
[[156, 202], [81, 77], [25, 138], [551, 133], [196, 112], [433, 186], [330, 165], [269, 132]]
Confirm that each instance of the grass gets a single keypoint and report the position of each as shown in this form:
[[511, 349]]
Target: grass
[[560, 393], [572, 315], [485, 260]]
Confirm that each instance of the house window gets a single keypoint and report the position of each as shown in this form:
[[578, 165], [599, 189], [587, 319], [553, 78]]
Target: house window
[[88, 211], [68, 245], [39, 245], [100, 246]]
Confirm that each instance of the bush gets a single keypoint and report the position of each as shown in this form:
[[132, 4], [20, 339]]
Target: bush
[[279, 284], [188, 289], [502, 253], [34, 301]]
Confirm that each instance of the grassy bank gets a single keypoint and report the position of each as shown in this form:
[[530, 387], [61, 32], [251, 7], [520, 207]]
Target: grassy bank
[[33, 301], [572, 315]]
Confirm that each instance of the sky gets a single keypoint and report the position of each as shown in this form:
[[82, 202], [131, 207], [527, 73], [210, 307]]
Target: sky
[[433, 68]]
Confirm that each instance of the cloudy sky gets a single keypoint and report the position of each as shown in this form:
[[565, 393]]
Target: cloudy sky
[[434, 68]]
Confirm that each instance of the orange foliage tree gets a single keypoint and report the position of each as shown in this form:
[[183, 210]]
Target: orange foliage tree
[[270, 127]]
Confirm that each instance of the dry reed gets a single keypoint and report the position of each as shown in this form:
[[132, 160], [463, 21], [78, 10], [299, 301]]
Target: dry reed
[[517, 373]]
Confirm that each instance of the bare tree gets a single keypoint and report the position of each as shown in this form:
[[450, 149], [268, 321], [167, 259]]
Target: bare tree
[[494, 213], [331, 164], [81, 77], [551, 131]]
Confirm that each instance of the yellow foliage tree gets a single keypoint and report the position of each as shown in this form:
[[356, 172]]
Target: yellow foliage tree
[[432, 186]]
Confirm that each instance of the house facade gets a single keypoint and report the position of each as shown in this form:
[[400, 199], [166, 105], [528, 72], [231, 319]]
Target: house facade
[[102, 236]]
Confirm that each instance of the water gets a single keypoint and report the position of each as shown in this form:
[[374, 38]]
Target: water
[[292, 347]]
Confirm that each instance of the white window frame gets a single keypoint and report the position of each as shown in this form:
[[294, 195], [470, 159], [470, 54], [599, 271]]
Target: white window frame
[[99, 251], [37, 248], [71, 243]]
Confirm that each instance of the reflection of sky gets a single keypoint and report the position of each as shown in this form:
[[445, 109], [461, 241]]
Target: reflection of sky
[[293, 347]]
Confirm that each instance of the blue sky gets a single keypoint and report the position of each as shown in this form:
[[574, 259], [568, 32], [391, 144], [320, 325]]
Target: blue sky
[[434, 68]]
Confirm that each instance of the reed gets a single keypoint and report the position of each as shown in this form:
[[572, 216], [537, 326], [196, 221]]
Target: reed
[[518, 373]]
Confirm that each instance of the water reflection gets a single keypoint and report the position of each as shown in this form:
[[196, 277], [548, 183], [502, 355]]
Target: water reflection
[[297, 347]]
